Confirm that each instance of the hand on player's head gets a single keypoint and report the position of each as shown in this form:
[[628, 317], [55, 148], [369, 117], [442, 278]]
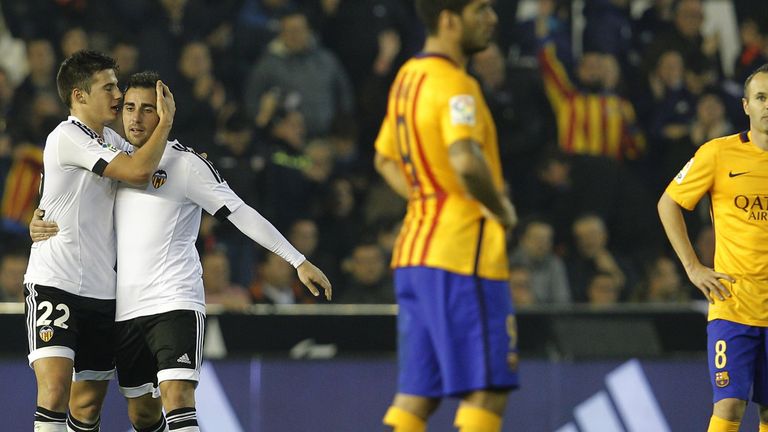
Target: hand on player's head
[[311, 277], [166, 105]]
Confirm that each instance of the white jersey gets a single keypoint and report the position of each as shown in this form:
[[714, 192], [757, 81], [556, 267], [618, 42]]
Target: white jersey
[[80, 258], [158, 266]]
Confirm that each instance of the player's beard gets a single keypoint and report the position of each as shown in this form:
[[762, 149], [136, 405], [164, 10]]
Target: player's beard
[[474, 42]]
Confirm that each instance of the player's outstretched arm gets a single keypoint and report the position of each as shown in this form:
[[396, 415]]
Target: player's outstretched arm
[[259, 229], [470, 165], [136, 169], [707, 280], [39, 229], [312, 277]]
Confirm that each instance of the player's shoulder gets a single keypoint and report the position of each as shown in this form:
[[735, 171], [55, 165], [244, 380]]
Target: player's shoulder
[[190, 158], [75, 130], [717, 145]]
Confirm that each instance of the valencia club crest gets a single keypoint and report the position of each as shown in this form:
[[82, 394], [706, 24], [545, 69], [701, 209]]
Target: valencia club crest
[[159, 178]]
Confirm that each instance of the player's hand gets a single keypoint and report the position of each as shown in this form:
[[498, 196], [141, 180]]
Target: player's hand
[[312, 276], [39, 229], [708, 282], [166, 105]]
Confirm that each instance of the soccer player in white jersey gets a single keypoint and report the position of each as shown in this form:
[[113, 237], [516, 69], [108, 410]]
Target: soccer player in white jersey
[[160, 298], [70, 280]]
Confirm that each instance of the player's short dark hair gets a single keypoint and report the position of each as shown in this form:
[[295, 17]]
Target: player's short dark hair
[[77, 72], [146, 79], [429, 11], [761, 69]]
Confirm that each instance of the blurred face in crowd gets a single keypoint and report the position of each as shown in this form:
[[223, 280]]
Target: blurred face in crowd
[[602, 290], [195, 60], [520, 286], [590, 235], [73, 40], [40, 57], [140, 116], [664, 280], [710, 109], [689, 17], [215, 272], [303, 236], [756, 103], [671, 70], [368, 264], [12, 269], [295, 33], [478, 21], [489, 65], [277, 272], [590, 71], [127, 56], [537, 240]]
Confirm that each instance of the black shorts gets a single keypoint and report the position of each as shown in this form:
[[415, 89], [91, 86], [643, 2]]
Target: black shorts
[[62, 324], [156, 348]]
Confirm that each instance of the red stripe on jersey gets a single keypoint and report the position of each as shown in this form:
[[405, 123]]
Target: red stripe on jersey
[[440, 202], [424, 165], [568, 144]]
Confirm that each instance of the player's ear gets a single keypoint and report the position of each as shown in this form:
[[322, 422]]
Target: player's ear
[[744, 103], [77, 96]]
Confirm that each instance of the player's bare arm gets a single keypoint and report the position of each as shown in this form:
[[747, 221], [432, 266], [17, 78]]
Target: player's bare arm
[[707, 280], [469, 163], [312, 277], [136, 169], [39, 229], [392, 173]]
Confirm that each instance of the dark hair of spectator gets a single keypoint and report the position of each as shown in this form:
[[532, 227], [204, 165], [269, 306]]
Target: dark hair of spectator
[[429, 11], [761, 69], [146, 79], [77, 72]]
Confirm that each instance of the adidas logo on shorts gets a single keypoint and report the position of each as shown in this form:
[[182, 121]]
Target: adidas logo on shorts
[[184, 359]]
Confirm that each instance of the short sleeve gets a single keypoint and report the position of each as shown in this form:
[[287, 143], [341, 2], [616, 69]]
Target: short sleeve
[[460, 111], [81, 150], [116, 140], [206, 188], [386, 144], [695, 179]]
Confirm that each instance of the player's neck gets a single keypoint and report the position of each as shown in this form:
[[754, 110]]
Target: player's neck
[[436, 45], [88, 120], [759, 138]]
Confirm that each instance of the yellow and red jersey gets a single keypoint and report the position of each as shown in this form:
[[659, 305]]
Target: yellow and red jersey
[[598, 124], [734, 172], [432, 104]]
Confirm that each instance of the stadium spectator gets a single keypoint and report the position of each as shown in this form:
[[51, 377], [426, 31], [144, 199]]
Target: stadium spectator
[[13, 265], [276, 283], [520, 286], [662, 283], [591, 117], [549, 280], [41, 79], [74, 39], [524, 121], [219, 289], [368, 280], [590, 255], [295, 63], [602, 290], [200, 93]]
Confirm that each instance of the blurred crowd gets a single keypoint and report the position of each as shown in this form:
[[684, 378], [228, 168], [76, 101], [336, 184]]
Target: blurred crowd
[[596, 110]]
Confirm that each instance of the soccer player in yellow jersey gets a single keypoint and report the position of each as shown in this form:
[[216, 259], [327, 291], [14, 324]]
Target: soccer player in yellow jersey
[[733, 171], [438, 149]]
